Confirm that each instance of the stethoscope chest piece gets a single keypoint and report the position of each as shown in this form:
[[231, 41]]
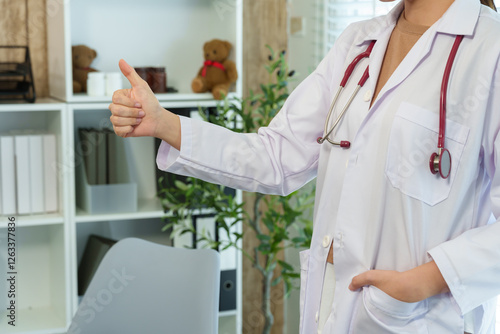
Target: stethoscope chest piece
[[441, 163]]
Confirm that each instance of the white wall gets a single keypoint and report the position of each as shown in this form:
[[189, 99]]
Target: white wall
[[301, 47]]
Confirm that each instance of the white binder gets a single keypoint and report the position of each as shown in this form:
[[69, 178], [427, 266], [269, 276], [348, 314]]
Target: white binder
[[50, 173], [22, 151], [36, 172], [7, 176]]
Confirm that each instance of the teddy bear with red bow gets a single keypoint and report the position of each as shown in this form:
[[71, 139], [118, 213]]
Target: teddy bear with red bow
[[218, 73]]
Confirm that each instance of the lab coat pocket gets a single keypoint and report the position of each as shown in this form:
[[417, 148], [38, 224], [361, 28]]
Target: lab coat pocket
[[379, 313], [304, 268], [413, 139]]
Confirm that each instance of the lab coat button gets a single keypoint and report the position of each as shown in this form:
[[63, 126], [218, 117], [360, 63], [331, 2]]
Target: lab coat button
[[316, 317], [368, 95], [326, 241]]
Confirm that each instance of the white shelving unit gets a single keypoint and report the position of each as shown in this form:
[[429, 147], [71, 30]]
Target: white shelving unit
[[43, 261], [145, 33]]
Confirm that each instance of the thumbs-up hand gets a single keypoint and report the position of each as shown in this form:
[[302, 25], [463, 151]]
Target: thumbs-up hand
[[136, 112]]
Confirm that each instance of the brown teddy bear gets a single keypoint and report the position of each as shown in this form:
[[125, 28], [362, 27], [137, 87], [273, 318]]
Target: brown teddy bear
[[82, 58], [217, 73]]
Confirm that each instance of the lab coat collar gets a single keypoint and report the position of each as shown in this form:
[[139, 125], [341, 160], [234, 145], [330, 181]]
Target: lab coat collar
[[460, 19]]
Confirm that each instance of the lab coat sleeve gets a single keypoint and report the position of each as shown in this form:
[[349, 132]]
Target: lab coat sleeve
[[279, 159], [470, 263]]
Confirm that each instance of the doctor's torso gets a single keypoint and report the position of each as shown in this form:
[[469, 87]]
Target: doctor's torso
[[378, 205]]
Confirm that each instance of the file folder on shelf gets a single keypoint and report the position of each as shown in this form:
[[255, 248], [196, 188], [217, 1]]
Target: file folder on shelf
[[7, 176], [22, 151], [51, 199], [36, 174]]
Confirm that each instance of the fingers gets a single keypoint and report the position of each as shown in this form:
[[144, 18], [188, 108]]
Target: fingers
[[129, 72], [122, 97], [123, 131], [361, 280], [124, 116], [124, 111], [124, 121]]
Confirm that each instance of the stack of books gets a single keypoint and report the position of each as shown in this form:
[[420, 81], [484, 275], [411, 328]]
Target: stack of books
[[28, 174], [99, 150]]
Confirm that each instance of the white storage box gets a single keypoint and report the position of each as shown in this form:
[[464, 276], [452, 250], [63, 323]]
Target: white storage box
[[117, 197]]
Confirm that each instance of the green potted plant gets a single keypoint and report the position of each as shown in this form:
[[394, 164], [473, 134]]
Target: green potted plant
[[278, 222]]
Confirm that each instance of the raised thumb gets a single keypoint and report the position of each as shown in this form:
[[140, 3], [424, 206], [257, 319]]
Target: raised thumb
[[129, 72]]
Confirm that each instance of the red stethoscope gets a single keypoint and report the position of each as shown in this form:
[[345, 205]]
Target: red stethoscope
[[439, 162]]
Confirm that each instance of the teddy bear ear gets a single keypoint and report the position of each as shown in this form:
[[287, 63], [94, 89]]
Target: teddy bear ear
[[94, 53], [206, 45], [228, 45]]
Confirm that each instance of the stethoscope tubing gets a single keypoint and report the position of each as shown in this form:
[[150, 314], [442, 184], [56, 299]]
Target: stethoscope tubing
[[439, 162], [444, 90], [355, 62], [334, 101], [347, 75]]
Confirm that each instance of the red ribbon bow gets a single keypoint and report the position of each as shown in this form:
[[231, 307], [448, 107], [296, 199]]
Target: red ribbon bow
[[211, 63]]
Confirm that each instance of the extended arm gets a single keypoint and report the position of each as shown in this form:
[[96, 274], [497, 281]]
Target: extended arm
[[279, 159]]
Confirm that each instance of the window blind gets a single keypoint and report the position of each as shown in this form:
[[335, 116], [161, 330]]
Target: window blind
[[333, 16]]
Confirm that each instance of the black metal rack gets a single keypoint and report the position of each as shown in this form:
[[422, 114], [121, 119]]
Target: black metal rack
[[16, 76]]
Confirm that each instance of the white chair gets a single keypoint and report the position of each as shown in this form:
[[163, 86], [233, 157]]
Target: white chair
[[144, 288]]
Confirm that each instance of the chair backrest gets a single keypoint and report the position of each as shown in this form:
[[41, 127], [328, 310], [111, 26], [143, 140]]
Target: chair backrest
[[141, 287]]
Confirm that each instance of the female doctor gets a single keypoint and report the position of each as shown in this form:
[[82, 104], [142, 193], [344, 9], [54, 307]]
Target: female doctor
[[405, 234]]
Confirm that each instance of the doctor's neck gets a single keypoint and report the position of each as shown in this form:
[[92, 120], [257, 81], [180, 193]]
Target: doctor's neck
[[425, 12]]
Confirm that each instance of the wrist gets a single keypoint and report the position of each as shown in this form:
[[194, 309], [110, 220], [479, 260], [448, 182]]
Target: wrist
[[429, 279], [168, 128]]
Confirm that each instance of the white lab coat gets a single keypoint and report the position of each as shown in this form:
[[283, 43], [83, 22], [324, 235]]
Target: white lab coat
[[377, 201]]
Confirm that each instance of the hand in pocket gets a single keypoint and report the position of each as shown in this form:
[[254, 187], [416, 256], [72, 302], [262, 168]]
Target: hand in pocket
[[409, 286]]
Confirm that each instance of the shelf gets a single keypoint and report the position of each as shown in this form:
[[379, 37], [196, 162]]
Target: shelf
[[192, 98], [230, 313], [33, 220], [147, 208], [43, 320], [153, 17], [50, 246], [41, 104], [41, 293]]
